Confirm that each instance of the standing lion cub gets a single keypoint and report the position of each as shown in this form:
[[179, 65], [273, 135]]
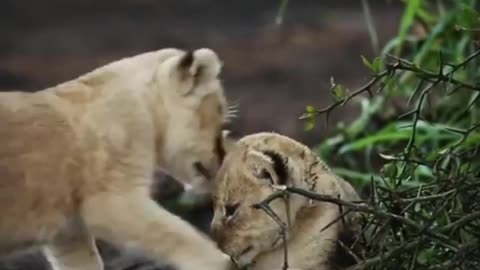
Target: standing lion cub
[[252, 171], [77, 159]]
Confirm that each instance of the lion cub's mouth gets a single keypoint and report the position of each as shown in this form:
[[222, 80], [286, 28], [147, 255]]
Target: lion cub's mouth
[[202, 170], [243, 260], [245, 250]]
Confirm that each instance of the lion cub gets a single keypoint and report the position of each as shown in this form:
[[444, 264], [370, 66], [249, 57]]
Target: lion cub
[[250, 173], [77, 159]]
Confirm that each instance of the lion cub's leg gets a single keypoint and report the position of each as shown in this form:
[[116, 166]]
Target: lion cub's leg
[[74, 252], [132, 219]]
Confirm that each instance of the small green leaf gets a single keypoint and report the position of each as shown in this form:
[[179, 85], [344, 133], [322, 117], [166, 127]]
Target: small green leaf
[[310, 109], [366, 63], [339, 92], [310, 124], [390, 170], [406, 23], [377, 65], [426, 255]]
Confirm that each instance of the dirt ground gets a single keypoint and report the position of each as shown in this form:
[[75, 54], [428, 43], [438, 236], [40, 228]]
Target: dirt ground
[[271, 71]]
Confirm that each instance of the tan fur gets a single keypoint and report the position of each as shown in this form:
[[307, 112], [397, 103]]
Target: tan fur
[[77, 159], [250, 236]]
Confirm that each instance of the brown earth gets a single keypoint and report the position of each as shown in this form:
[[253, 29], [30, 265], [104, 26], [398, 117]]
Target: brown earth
[[271, 71]]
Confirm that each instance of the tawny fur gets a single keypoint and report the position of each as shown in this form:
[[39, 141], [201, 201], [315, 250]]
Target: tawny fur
[[77, 159], [250, 236]]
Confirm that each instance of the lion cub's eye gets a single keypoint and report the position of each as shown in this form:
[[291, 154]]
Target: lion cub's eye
[[265, 174], [231, 209]]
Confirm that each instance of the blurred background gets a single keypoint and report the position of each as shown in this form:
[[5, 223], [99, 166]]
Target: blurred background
[[271, 71]]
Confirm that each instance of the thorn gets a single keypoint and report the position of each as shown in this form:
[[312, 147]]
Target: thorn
[[279, 187]]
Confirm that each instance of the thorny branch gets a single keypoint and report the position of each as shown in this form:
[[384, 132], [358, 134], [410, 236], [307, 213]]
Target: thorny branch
[[360, 207], [439, 235], [404, 65]]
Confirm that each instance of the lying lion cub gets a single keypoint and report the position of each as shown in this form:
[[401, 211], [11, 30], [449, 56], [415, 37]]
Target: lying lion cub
[[252, 171]]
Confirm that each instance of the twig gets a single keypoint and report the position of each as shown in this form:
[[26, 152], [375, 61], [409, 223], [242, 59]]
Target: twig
[[350, 251], [341, 216], [362, 89], [367, 263], [266, 208], [416, 117], [404, 65], [427, 198], [463, 221]]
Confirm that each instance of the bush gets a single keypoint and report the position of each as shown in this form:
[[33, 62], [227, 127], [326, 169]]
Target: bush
[[416, 142]]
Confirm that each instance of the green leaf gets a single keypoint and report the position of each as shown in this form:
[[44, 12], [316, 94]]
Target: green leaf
[[371, 140], [281, 12], [366, 63], [426, 48], [357, 178], [310, 109], [407, 21], [324, 149], [467, 17], [368, 108], [377, 65], [339, 92], [310, 124], [310, 112], [390, 170], [425, 255], [426, 16]]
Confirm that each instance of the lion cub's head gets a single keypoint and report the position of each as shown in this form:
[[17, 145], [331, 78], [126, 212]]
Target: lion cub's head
[[246, 177], [192, 113]]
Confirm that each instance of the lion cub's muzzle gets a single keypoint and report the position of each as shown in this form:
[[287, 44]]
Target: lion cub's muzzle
[[241, 257]]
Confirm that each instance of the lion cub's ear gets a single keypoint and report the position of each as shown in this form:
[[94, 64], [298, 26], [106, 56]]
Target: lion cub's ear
[[193, 69], [269, 166]]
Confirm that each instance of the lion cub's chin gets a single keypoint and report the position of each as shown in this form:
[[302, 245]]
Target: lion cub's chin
[[246, 259]]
